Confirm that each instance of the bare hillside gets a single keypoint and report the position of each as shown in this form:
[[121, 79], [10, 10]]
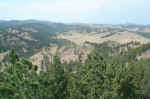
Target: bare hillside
[[120, 37]]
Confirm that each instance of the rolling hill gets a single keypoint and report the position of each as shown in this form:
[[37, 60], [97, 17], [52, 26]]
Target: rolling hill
[[40, 40]]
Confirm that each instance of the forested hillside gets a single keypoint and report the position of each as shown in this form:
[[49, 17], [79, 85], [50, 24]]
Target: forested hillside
[[30, 37], [47, 60], [98, 78]]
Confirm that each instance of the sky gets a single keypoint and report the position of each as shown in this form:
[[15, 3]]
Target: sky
[[78, 11]]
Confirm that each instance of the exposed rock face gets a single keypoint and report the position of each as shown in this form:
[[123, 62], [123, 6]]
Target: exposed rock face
[[2, 55], [42, 59], [66, 54], [144, 55]]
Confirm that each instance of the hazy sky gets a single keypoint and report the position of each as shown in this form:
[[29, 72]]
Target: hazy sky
[[83, 11]]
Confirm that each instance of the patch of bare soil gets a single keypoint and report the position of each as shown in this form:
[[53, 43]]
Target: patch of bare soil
[[121, 37], [2, 55], [66, 54], [144, 55]]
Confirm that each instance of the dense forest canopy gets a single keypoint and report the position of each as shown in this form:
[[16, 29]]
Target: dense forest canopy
[[98, 78]]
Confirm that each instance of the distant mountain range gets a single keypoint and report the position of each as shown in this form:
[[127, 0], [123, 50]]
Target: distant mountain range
[[30, 37]]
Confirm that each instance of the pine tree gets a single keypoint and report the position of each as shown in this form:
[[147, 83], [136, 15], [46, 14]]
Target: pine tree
[[18, 79], [13, 57], [58, 79]]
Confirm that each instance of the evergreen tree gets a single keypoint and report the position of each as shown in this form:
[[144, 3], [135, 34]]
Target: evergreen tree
[[13, 57], [98, 78], [58, 79]]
